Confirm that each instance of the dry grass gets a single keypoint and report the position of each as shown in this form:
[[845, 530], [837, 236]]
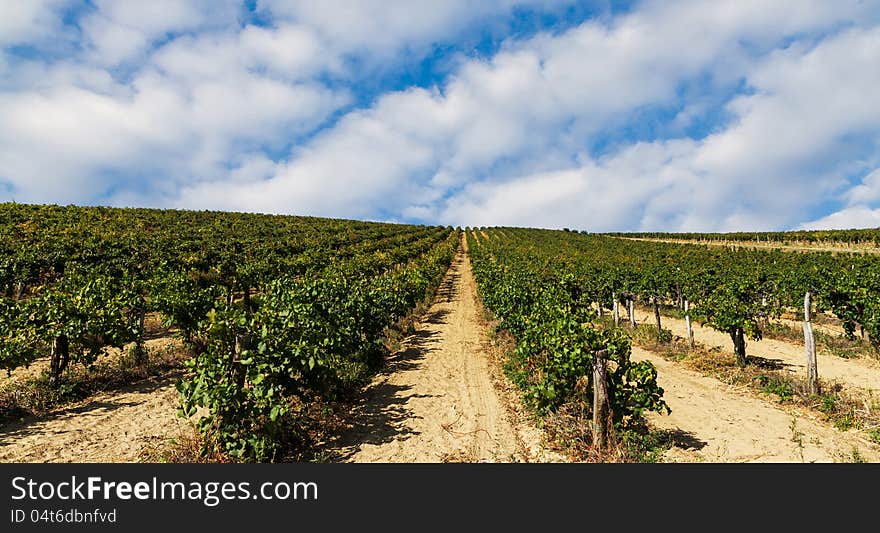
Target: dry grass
[[183, 449], [570, 431], [797, 246]]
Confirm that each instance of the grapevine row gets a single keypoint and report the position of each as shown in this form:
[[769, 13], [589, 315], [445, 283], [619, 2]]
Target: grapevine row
[[735, 291], [275, 311]]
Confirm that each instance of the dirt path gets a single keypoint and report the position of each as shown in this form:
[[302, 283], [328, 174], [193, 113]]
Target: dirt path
[[862, 373], [715, 422], [815, 247], [829, 329], [437, 401], [441, 398], [109, 428]]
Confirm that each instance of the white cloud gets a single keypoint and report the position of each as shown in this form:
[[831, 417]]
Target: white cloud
[[120, 30], [378, 29], [756, 173], [362, 163], [849, 218], [512, 130], [503, 140], [26, 21], [69, 144], [190, 112], [868, 191], [204, 106], [288, 52]]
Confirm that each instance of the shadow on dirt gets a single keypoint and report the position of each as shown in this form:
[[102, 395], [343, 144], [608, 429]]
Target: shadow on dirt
[[767, 364], [13, 431], [381, 414], [686, 440]]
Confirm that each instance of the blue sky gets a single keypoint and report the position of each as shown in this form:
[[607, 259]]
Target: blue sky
[[605, 116]]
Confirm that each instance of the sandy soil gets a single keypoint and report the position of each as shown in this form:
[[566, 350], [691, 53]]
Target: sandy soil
[[23, 373], [863, 373], [437, 400], [830, 329], [112, 427], [715, 422], [109, 428]]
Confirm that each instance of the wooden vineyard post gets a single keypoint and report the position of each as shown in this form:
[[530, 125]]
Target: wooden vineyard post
[[599, 308], [687, 321], [657, 315], [59, 359], [615, 309], [631, 310], [600, 400], [810, 348], [139, 350]]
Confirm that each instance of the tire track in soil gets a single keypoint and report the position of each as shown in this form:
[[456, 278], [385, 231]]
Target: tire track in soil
[[716, 422], [436, 400], [107, 428]]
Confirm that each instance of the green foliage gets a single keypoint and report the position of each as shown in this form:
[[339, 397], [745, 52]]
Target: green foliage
[[644, 445], [664, 336], [538, 296], [274, 309], [315, 336], [647, 333], [735, 303], [852, 296], [845, 421], [827, 403], [86, 308], [777, 386], [21, 342]]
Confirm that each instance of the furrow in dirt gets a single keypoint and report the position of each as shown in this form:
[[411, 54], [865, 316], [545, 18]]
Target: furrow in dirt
[[715, 422], [436, 400], [109, 428]]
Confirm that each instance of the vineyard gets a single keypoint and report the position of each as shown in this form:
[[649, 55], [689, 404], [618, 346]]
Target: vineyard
[[563, 295], [274, 311], [734, 291], [279, 321], [869, 236]]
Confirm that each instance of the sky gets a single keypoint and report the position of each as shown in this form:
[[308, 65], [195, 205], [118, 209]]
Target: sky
[[674, 115]]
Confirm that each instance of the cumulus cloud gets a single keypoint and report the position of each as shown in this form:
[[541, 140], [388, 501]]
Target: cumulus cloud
[[120, 30], [202, 95], [101, 142], [867, 192], [22, 22], [379, 29], [506, 139], [849, 218], [590, 128]]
